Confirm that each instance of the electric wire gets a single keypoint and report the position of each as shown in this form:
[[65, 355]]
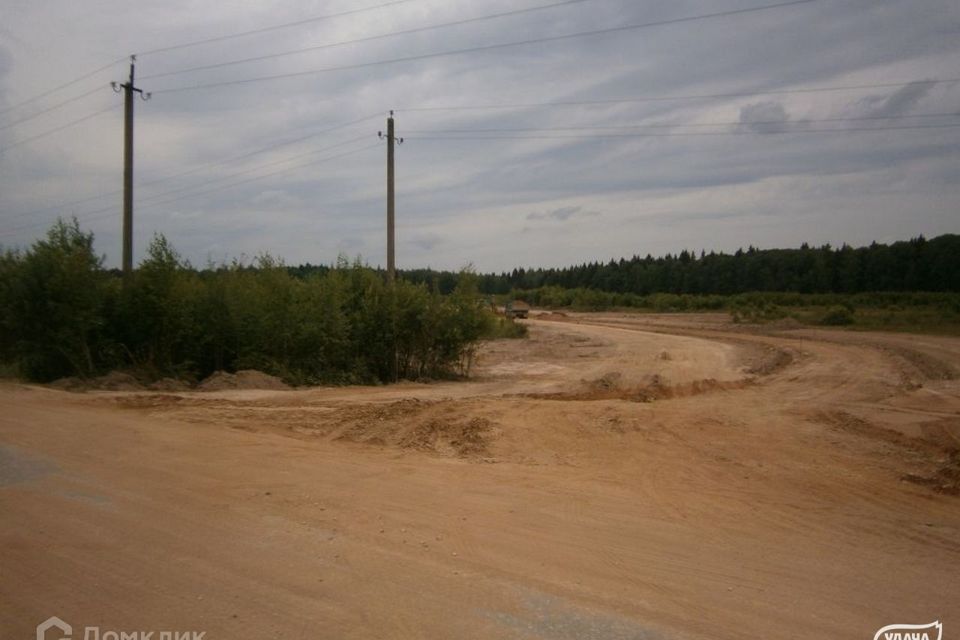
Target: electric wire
[[502, 14], [295, 23], [703, 96], [266, 175], [61, 86], [37, 114], [690, 124], [57, 129], [199, 168], [258, 167], [481, 48], [681, 134], [106, 212]]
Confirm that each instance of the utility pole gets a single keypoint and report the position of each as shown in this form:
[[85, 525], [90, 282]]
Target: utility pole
[[391, 234], [128, 91]]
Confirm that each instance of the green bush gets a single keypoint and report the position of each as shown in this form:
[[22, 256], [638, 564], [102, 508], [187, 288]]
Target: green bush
[[837, 316], [62, 314], [53, 295], [507, 328]]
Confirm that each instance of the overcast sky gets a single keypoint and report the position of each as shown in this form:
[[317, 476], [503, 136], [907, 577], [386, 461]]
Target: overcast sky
[[624, 156]]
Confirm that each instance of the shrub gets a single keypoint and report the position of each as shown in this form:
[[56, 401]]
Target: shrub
[[837, 316], [62, 314], [54, 295], [507, 328]]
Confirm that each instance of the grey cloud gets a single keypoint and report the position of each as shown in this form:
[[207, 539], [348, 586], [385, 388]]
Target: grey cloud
[[898, 103], [470, 200], [562, 214], [427, 241], [764, 117]]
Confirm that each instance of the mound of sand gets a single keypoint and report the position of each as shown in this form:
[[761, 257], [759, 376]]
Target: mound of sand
[[169, 384], [245, 379], [413, 424], [113, 381]]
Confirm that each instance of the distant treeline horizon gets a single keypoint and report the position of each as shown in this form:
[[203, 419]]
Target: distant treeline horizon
[[917, 264]]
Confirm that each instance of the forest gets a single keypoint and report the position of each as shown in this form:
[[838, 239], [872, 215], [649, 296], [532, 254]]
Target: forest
[[911, 265]]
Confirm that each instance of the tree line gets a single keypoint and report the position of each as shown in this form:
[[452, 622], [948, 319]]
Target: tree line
[[63, 314], [913, 265]]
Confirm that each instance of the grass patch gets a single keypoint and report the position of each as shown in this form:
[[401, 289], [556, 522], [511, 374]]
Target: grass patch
[[506, 328]]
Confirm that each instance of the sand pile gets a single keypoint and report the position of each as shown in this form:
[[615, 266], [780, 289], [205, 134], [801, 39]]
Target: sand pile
[[414, 424], [113, 381], [245, 379]]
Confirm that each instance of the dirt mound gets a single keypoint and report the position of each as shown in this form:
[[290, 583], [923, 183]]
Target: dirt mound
[[414, 424], [69, 384], [924, 365], [944, 479], [169, 384], [854, 425], [113, 381], [939, 462], [606, 382], [463, 438], [770, 360], [245, 379], [117, 381], [607, 388]]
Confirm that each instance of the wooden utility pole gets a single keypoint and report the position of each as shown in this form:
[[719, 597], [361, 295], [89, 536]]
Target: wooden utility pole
[[391, 233], [128, 91]]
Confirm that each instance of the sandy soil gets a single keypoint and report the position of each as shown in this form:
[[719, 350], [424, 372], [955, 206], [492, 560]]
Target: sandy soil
[[614, 476]]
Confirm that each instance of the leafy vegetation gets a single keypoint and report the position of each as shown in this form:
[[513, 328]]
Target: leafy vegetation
[[908, 285], [63, 314], [915, 265], [918, 311]]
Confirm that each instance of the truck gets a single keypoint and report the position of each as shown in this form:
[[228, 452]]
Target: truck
[[517, 309]]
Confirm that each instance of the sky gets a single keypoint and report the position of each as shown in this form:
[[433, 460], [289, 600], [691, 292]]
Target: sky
[[600, 129]]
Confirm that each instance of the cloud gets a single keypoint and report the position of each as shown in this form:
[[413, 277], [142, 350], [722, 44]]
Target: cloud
[[277, 199], [460, 200], [764, 117], [427, 241], [562, 214], [898, 103]]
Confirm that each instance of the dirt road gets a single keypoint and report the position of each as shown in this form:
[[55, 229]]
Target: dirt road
[[614, 476]]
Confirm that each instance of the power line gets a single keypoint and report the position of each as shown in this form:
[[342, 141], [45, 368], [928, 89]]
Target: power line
[[702, 96], [257, 168], [691, 124], [57, 129], [490, 47], [248, 154], [199, 168], [391, 34], [270, 175], [270, 147], [62, 86], [685, 133], [295, 23], [37, 114], [112, 210]]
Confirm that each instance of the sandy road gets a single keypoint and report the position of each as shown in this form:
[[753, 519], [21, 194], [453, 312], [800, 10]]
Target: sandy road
[[612, 477]]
